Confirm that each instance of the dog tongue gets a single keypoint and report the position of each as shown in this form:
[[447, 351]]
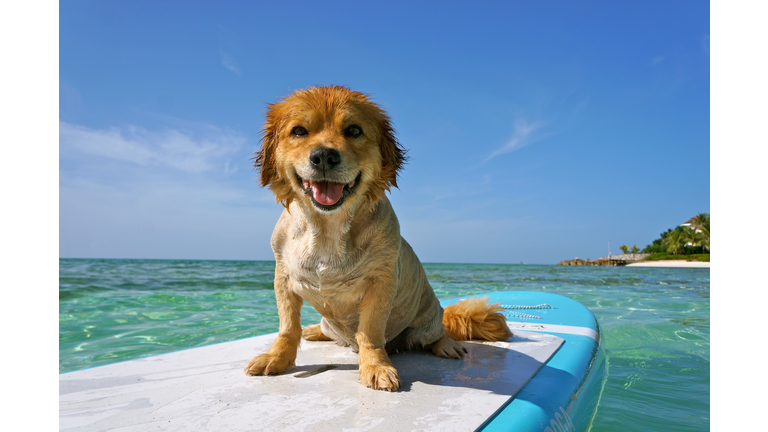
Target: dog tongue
[[327, 193]]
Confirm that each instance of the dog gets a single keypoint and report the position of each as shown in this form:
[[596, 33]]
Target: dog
[[329, 154]]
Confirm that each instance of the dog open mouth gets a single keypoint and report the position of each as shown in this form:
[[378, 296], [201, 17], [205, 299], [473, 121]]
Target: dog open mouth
[[328, 195]]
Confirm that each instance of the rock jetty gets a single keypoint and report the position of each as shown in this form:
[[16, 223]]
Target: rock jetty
[[610, 260]]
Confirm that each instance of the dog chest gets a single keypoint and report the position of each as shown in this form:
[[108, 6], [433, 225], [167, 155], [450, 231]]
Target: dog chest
[[318, 276]]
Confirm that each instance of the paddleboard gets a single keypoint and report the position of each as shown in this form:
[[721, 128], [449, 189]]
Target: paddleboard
[[548, 376], [565, 393]]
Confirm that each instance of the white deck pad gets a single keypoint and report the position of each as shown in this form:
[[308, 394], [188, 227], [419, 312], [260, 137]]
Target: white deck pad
[[205, 389]]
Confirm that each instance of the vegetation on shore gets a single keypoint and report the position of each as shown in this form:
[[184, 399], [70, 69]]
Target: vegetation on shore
[[683, 242], [665, 257]]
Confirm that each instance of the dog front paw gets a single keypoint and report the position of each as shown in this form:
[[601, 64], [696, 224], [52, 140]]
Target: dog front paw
[[448, 348], [268, 364], [380, 377]]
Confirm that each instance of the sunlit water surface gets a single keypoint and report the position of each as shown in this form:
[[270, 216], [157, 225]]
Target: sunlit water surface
[[655, 321]]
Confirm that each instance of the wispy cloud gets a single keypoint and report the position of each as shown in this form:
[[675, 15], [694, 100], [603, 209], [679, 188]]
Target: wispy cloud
[[164, 217], [229, 49], [524, 133], [657, 60], [181, 191], [230, 62], [185, 151]]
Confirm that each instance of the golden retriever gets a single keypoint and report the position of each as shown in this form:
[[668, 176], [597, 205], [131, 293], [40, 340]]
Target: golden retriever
[[329, 154]]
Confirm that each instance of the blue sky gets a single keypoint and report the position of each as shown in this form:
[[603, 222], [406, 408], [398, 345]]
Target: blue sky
[[537, 131]]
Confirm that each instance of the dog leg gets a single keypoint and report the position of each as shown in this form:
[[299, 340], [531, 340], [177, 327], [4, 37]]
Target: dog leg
[[314, 333], [282, 354], [376, 370]]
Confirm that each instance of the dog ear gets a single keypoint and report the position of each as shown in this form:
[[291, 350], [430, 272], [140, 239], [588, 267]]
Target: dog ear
[[264, 159], [393, 154]]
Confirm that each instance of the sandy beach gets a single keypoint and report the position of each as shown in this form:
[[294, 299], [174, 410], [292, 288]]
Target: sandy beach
[[670, 263]]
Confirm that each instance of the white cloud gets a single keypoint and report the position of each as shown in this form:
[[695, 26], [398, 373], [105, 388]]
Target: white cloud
[[230, 62], [185, 151], [161, 218], [657, 60], [173, 193], [523, 134]]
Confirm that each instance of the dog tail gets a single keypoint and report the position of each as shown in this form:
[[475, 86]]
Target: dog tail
[[475, 319]]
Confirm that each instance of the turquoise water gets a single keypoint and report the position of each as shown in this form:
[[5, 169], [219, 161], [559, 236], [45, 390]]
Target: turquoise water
[[655, 321]]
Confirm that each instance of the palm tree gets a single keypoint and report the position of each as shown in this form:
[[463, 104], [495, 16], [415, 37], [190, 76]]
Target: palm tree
[[700, 218], [675, 241], [705, 234], [692, 236], [624, 249]]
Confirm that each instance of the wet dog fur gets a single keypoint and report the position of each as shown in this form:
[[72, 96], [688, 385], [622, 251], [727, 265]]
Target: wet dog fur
[[329, 154]]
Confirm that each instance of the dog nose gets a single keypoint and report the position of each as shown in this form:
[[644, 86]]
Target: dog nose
[[323, 157]]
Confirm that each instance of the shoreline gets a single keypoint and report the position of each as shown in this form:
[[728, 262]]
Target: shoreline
[[670, 263]]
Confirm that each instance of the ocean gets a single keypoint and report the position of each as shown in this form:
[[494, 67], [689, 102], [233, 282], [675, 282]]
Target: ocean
[[655, 321]]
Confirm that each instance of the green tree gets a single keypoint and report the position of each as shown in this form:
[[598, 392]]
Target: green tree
[[658, 245], [700, 219], [635, 249], [675, 241], [705, 234], [692, 237], [624, 249], [698, 241]]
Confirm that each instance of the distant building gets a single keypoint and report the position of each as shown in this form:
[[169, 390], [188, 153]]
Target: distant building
[[690, 223]]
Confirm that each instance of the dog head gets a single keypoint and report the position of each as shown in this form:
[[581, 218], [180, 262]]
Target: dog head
[[330, 147]]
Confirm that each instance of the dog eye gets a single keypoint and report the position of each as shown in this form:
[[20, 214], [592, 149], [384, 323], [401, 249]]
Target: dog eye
[[353, 131], [299, 131]]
